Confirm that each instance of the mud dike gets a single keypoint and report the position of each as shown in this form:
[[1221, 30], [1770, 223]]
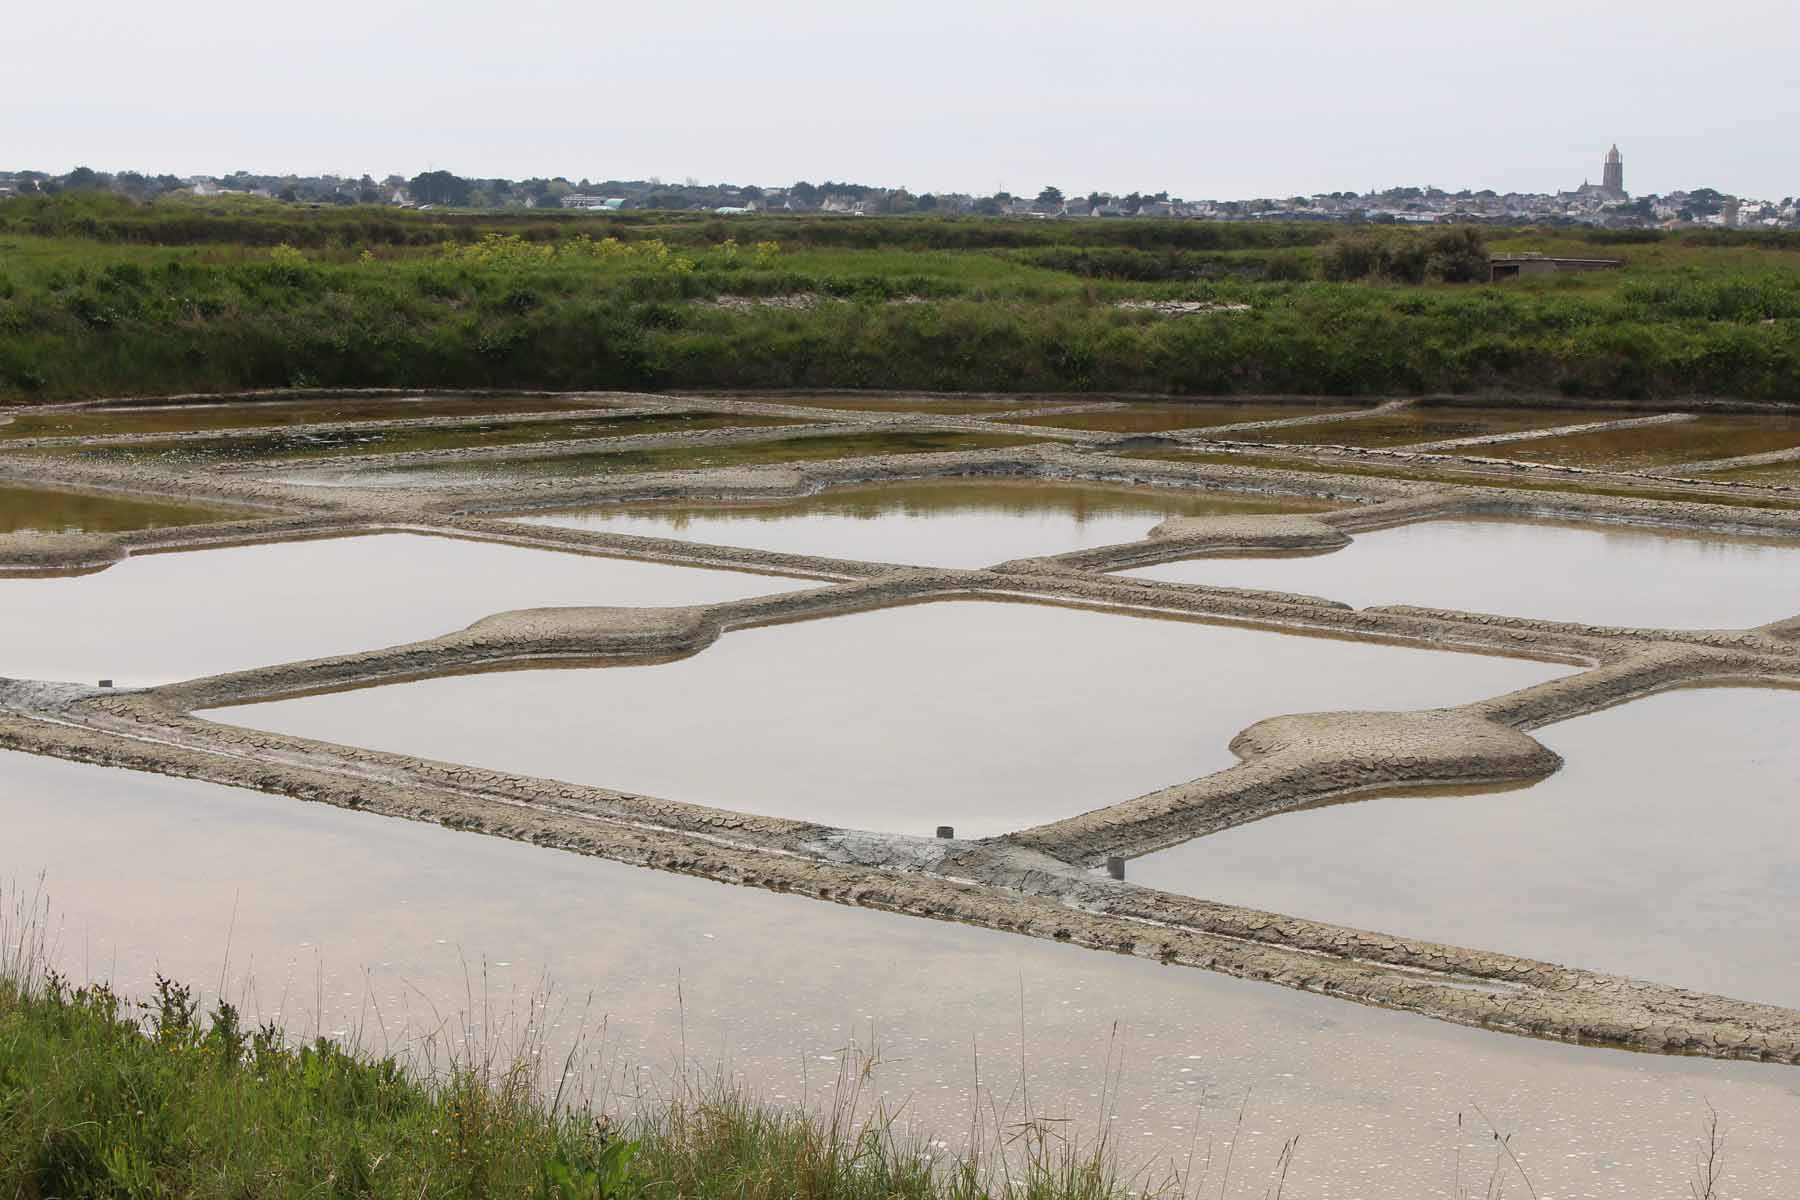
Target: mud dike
[[1046, 880]]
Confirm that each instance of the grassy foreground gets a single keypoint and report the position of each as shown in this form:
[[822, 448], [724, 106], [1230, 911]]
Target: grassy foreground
[[96, 1102], [102, 297]]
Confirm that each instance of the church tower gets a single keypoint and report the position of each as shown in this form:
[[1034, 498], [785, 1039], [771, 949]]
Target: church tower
[[1613, 180]]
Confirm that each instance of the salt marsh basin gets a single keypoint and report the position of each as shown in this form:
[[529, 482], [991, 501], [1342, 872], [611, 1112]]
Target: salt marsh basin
[[151, 874], [1606, 574], [985, 716], [1604, 865], [56, 510], [939, 523], [203, 612]]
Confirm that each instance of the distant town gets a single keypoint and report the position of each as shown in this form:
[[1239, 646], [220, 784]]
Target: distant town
[[1606, 204]]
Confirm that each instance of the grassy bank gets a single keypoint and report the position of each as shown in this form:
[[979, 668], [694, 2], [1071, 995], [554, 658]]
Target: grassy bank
[[104, 1098], [113, 299]]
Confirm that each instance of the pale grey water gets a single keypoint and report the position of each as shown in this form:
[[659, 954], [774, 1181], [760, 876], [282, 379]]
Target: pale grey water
[[334, 916], [1667, 848], [161, 617], [1590, 573], [989, 717]]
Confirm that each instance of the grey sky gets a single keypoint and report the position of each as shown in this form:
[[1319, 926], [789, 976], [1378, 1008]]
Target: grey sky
[[1204, 99]]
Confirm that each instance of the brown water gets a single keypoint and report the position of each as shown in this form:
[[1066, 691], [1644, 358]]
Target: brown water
[[1443, 472], [1152, 418], [1662, 445], [668, 458], [152, 874], [321, 443], [1601, 574], [881, 402], [151, 416], [941, 523], [1412, 426], [1665, 850], [45, 510], [161, 617], [988, 717]]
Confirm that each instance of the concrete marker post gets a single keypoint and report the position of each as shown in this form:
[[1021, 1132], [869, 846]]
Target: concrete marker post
[[1115, 866]]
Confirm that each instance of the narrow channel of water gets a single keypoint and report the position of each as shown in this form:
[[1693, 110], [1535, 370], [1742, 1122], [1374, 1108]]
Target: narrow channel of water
[[1412, 426], [1664, 849], [1154, 418], [158, 416], [585, 465], [335, 921], [987, 717], [938, 523], [1601, 574], [161, 617], [328, 442]]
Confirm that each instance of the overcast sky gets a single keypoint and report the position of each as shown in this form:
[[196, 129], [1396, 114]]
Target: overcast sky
[[1204, 99]]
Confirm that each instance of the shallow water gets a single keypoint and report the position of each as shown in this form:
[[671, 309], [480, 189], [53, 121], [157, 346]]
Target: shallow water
[[46, 510], [320, 443], [1441, 424], [152, 874], [667, 458], [1611, 574], [1152, 418], [988, 717], [939, 523], [1665, 850], [1662, 445], [876, 402], [1787, 473], [161, 617], [151, 416]]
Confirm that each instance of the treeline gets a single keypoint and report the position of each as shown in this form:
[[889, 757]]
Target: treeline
[[105, 217]]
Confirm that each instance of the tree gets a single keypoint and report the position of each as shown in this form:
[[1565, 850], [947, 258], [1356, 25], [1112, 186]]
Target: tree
[[1050, 195], [439, 187], [1706, 201], [1458, 255], [80, 178], [927, 202]]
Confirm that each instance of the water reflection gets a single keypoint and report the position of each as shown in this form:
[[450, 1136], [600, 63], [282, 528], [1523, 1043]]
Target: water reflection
[[989, 717], [419, 923], [47, 510], [1664, 445], [946, 523], [1604, 574], [1664, 849], [667, 458], [161, 617]]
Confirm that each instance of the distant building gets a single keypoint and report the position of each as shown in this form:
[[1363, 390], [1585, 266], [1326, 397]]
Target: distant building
[[1613, 177], [1528, 264], [602, 203]]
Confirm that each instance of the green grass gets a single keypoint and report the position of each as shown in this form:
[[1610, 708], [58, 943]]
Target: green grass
[[100, 1097], [101, 297]]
